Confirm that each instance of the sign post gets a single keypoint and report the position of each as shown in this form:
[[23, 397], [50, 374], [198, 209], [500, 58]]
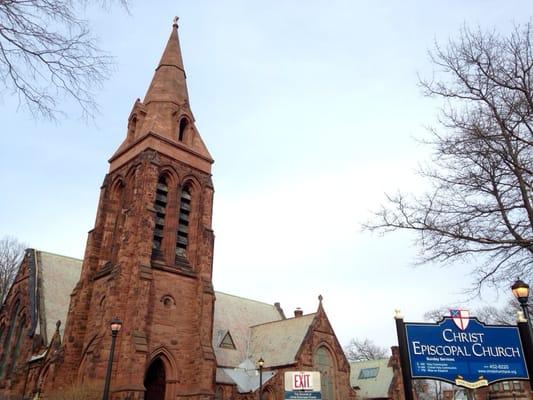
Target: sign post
[[404, 358], [526, 338]]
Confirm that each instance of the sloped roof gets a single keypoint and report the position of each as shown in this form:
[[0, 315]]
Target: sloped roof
[[236, 315], [57, 276], [258, 329], [372, 388], [278, 342]]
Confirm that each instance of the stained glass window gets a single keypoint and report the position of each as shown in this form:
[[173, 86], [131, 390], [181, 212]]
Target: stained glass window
[[324, 364]]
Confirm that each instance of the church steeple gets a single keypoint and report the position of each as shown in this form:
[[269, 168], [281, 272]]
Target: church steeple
[[164, 121], [149, 258], [168, 83]]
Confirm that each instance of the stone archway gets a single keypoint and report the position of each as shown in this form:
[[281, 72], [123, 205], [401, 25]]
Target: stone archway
[[155, 381]]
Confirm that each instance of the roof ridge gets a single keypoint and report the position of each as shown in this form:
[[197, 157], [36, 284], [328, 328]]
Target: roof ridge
[[285, 320], [245, 298], [369, 362], [58, 255]]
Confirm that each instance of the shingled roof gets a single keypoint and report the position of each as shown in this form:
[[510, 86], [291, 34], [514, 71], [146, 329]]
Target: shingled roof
[[51, 278], [57, 277], [374, 384], [236, 315], [278, 342], [256, 329]]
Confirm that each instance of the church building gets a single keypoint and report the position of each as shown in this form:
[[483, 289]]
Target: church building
[[148, 261]]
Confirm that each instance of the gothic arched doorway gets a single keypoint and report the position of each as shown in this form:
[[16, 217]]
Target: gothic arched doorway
[[155, 381]]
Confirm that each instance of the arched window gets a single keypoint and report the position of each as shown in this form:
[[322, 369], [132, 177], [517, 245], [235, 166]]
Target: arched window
[[5, 345], [160, 205], [116, 219], [182, 238], [323, 363], [219, 394], [16, 349], [184, 122], [132, 127]]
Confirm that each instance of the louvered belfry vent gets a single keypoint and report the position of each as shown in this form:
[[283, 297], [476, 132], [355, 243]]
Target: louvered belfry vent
[[160, 206], [182, 238]]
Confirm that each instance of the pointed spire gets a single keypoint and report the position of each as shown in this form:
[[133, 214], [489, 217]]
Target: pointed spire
[[320, 306], [168, 83], [165, 114]]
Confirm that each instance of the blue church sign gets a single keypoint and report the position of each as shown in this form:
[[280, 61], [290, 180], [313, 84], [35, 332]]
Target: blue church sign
[[465, 352]]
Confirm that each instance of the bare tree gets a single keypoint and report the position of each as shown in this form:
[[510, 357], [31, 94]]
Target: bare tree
[[47, 53], [360, 350], [438, 389], [420, 386], [498, 316], [11, 254], [505, 315], [436, 314], [480, 207]]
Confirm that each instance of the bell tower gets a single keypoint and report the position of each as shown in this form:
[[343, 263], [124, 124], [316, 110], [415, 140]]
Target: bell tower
[[149, 257]]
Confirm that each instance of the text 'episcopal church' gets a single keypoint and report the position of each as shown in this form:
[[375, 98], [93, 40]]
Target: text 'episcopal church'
[[149, 262]]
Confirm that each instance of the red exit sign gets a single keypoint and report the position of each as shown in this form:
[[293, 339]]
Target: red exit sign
[[302, 381]]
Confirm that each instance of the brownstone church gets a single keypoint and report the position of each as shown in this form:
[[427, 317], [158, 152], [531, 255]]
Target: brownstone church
[[149, 261]]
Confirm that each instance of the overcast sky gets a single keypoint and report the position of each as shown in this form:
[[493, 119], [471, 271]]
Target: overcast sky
[[310, 110]]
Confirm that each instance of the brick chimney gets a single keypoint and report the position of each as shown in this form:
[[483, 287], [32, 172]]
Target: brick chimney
[[298, 312]]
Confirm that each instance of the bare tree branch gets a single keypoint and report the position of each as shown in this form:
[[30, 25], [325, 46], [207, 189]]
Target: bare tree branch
[[47, 54], [480, 208], [11, 254], [360, 350], [505, 315]]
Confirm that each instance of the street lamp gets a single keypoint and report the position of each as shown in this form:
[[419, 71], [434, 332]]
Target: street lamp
[[260, 362], [521, 292], [115, 325]]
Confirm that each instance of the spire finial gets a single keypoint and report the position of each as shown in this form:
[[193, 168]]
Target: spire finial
[[320, 298], [175, 21], [168, 83]]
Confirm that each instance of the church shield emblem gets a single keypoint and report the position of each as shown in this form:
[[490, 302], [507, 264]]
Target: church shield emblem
[[460, 318]]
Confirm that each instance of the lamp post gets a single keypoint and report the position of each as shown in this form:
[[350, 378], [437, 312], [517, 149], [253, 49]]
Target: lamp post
[[260, 362], [521, 292], [115, 324]]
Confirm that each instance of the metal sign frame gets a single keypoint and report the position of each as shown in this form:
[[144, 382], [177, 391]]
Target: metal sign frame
[[473, 339], [525, 341]]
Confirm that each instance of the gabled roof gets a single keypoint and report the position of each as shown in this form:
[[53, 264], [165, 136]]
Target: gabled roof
[[372, 388], [256, 329], [57, 276], [51, 279], [278, 342], [236, 315]]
